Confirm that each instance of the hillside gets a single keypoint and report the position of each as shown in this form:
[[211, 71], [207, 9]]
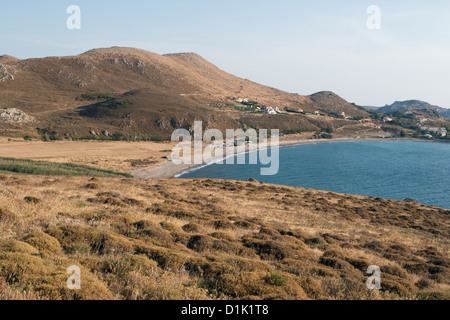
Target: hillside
[[416, 105], [81, 94], [208, 239]]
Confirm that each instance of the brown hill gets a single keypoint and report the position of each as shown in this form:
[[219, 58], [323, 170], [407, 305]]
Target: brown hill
[[159, 87], [207, 239]]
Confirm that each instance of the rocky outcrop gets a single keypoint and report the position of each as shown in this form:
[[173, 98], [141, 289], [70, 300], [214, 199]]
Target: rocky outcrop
[[6, 73], [15, 116]]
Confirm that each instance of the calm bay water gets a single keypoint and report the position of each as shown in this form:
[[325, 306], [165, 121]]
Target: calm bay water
[[385, 169]]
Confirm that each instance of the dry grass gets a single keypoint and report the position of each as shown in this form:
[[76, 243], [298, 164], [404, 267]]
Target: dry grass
[[119, 156], [208, 239]]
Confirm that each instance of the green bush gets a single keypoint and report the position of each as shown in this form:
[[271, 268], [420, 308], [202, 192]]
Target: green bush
[[54, 138], [326, 136], [294, 131], [119, 104], [275, 279], [120, 136], [93, 96], [57, 169]]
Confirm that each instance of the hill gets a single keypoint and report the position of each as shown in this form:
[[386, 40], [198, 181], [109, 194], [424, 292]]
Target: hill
[[368, 108], [416, 105], [209, 239], [143, 93]]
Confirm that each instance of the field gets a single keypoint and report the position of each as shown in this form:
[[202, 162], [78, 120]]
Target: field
[[119, 156], [207, 239]]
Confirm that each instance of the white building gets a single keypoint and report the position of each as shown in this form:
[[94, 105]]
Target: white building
[[270, 110], [441, 132], [240, 100]]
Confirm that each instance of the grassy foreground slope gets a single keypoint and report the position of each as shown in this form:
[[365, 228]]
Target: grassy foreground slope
[[208, 239]]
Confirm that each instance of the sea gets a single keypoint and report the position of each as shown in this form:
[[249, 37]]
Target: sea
[[385, 169]]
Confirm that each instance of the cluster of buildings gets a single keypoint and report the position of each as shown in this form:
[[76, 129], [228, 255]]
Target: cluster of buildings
[[240, 100], [265, 110], [271, 110], [440, 132]]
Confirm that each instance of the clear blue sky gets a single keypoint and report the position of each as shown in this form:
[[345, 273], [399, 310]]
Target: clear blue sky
[[297, 46]]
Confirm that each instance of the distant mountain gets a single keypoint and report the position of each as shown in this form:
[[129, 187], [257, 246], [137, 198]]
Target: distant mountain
[[416, 105], [371, 108]]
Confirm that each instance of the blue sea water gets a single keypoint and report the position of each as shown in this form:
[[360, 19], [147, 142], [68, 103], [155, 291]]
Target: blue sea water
[[385, 169]]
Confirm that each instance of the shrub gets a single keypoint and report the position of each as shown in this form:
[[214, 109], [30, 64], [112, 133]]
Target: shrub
[[170, 226], [275, 279], [239, 286], [7, 216], [191, 227], [120, 136], [326, 136], [46, 244], [200, 243], [119, 104], [32, 200], [270, 250], [55, 169], [92, 96], [92, 186]]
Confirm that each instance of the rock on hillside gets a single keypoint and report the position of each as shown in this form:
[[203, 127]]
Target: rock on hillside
[[15, 116], [6, 73]]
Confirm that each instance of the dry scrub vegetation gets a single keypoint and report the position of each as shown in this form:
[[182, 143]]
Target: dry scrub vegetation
[[209, 239]]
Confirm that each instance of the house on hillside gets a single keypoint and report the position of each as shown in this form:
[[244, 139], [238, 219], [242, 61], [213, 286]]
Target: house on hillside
[[240, 100], [270, 110], [387, 119], [317, 113], [440, 132]]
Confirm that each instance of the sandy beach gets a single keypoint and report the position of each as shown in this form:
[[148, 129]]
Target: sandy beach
[[171, 170], [145, 160]]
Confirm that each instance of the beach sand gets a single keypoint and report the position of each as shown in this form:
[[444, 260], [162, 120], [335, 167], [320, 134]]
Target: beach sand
[[146, 160], [171, 170]]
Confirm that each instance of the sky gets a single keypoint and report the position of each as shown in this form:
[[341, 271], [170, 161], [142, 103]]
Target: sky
[[299, 46]]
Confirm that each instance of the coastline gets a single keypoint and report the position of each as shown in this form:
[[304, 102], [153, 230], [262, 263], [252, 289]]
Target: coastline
[[170, 170]]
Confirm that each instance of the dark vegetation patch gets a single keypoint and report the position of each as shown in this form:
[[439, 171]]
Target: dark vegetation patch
[[55, 169]]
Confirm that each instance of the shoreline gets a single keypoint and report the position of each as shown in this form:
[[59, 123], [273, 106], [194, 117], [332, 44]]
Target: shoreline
[[170, 170]]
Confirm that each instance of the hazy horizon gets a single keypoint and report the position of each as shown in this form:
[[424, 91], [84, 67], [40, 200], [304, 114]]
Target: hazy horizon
[[297, 47]]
